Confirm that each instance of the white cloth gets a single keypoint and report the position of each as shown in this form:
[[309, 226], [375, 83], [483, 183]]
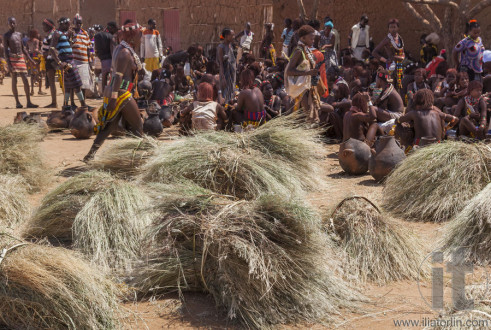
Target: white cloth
[[84, 72], [486, 57], [151, 44], [246, 41], [357, 38], [204, 115]]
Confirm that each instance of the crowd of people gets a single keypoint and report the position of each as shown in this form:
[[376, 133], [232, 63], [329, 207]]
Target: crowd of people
[[362, 91]]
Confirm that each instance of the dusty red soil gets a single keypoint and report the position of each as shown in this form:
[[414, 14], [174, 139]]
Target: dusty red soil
[[399, 300]]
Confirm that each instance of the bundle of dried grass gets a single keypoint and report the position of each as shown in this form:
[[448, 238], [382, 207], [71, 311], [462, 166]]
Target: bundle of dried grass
[[266, 261], [97, 214], [43, 287], [20, 154], [378, 249], [54, 217], [436, 182], [237, 164], [125, 157], [471, 229], [14, 204]]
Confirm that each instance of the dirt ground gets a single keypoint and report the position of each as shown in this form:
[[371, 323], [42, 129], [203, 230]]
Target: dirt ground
[[399, 300]]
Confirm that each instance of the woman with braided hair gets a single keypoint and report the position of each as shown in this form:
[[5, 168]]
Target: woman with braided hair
[[118, 100]]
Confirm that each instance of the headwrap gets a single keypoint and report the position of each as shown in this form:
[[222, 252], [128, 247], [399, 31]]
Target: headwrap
[[48, 23], [77, 17], [263, 84], [205, 92], [64, 20], [329, 24], [341, 80], [130, 27]]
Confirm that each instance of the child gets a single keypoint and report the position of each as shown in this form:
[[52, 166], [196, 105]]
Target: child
[[471, 110], [426, 118]]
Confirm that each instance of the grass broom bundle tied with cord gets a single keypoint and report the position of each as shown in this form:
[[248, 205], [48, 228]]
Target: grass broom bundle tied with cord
[[265, 262], [436, 182], [20, 154], [43, 287], [245, 165], [378, 249], [97, 214]]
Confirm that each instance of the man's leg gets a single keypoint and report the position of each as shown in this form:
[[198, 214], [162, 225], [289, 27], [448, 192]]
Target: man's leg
[[15, 91], [131, 115], [101, 137], [80, 96], [52, 87], [26, 89]]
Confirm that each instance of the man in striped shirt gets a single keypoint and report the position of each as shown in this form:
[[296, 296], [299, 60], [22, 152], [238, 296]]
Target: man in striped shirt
[[151, 47], [81, 47]]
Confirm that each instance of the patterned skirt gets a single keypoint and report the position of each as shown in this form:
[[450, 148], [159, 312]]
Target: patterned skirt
[[71, 78], [18, 63]]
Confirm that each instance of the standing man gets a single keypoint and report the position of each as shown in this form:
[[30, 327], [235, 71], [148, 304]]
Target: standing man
[[81, 47], [104, 44], [62, 53], [51, 67], [15, 53], [286, 36], [245, 42], [151, 47], [359, 37]]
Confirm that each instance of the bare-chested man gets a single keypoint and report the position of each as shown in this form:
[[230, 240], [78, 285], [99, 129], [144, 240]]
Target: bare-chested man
[[427, 119], [15, 54], [118, 100], [251, 101]]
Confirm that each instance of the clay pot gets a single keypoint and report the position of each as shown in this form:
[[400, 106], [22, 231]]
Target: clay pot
[[82, 124], [35, 118], [166, 115], [60, 119], [20, 117], [152, 125], [143, 114], [426, 141], [385, 158], [354, 156]]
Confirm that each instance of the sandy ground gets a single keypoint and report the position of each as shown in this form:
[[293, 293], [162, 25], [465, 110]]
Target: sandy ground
[[399, 300]]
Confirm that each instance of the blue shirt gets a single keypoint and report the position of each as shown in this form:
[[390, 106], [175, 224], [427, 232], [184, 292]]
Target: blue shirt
[[287, 36]]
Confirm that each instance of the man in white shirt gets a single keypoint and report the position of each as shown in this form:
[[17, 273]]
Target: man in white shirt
[[151, 49], [286, 36], [245, 43], [359, 38]]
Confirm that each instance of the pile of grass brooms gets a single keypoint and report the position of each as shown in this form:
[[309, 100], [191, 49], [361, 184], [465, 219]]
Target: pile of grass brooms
[[42, 287]]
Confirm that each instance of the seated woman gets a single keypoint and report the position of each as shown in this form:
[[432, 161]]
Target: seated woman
[[471, 110], [250, 104], [453, 88], [272, 103], [389, 103], [418, 83], [427, 120], [183, 83], [204, 111], [332, 113], [358, 119]]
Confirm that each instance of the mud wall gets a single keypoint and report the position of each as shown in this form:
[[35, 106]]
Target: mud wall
[[31, 13], [346, 13], [201, 21]]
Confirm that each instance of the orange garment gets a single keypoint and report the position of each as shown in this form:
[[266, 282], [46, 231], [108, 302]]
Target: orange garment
[[322, 70]]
